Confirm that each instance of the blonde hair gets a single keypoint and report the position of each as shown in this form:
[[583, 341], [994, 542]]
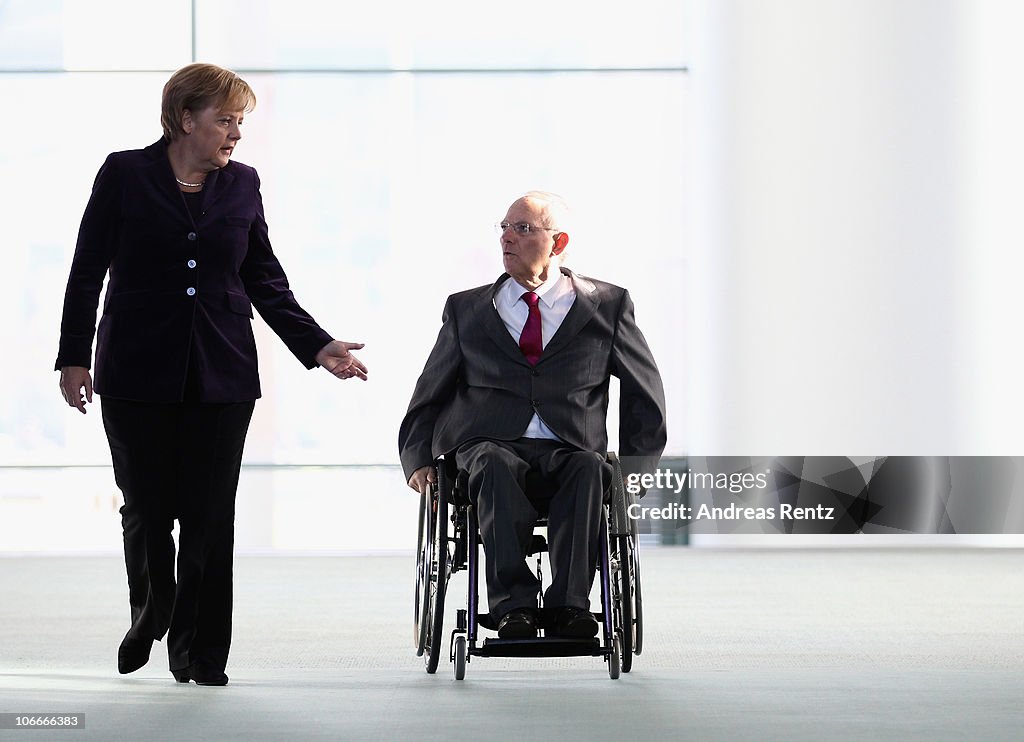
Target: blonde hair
[[199, 86]]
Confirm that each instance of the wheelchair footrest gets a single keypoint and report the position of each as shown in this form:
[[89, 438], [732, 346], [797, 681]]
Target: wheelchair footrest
[[541, 647]]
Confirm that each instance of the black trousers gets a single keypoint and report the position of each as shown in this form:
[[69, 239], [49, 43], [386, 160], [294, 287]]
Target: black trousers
[[179, 462], [506, 514]]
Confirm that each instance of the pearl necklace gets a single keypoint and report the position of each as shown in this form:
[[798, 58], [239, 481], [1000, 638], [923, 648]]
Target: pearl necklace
[[189, 185]]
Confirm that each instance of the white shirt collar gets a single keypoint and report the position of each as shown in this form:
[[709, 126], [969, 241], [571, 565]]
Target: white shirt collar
[[548, 292]]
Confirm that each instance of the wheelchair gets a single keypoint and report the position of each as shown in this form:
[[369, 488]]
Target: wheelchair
[[449, 542]]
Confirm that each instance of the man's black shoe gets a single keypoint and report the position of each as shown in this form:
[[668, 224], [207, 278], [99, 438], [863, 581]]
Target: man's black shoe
[[574, 623], [519, 623]]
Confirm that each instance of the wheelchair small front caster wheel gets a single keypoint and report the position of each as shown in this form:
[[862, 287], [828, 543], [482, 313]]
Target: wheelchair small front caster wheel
[[460, 657]]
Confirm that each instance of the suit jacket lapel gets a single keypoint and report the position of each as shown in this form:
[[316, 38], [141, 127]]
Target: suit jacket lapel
[[579, 314], [217, 184], [160, 177], [494, 325]]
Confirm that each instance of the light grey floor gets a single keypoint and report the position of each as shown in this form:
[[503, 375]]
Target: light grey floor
[[741, 645]]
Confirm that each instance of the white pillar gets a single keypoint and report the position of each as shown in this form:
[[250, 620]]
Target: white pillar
[[827, 303]]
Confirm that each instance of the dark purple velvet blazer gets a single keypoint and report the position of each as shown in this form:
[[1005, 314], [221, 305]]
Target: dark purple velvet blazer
[[177, 286]]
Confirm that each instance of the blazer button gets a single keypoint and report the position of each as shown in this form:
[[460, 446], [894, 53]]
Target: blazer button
[[536, 372], [191, 264], [192, 236], [190, 291]]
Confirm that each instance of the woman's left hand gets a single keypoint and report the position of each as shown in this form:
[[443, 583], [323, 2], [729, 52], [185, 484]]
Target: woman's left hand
[[337, 358]]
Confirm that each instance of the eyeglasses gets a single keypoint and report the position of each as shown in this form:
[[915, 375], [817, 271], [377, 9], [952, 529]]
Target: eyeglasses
[[520, 228]]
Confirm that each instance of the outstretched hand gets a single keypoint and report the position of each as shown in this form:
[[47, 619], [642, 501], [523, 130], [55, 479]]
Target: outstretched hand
[[337, 358]]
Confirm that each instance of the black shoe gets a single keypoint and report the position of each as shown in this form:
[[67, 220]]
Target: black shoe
[[200, 674], [519, 623], [133, 654], [574, 623]]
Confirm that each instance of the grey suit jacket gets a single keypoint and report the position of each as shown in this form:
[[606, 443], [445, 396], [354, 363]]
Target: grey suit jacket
[[477, 385]]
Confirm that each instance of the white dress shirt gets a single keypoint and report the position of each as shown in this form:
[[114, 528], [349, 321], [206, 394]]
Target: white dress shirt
[[556, 297]]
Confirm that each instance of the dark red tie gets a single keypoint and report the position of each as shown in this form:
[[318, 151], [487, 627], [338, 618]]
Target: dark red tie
[[531, 342]]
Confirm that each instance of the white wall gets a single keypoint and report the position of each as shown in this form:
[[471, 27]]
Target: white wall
[[856, 233]]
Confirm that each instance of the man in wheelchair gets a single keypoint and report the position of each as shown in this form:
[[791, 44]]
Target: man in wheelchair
[[517, 382]]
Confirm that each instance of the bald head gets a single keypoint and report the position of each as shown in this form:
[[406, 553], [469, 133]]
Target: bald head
[[553, 209]]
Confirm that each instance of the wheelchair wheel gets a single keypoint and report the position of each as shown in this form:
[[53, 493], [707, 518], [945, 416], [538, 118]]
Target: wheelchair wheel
[[638, 603], [423, 561], [624, 599], [460, 657], [437, 573]]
